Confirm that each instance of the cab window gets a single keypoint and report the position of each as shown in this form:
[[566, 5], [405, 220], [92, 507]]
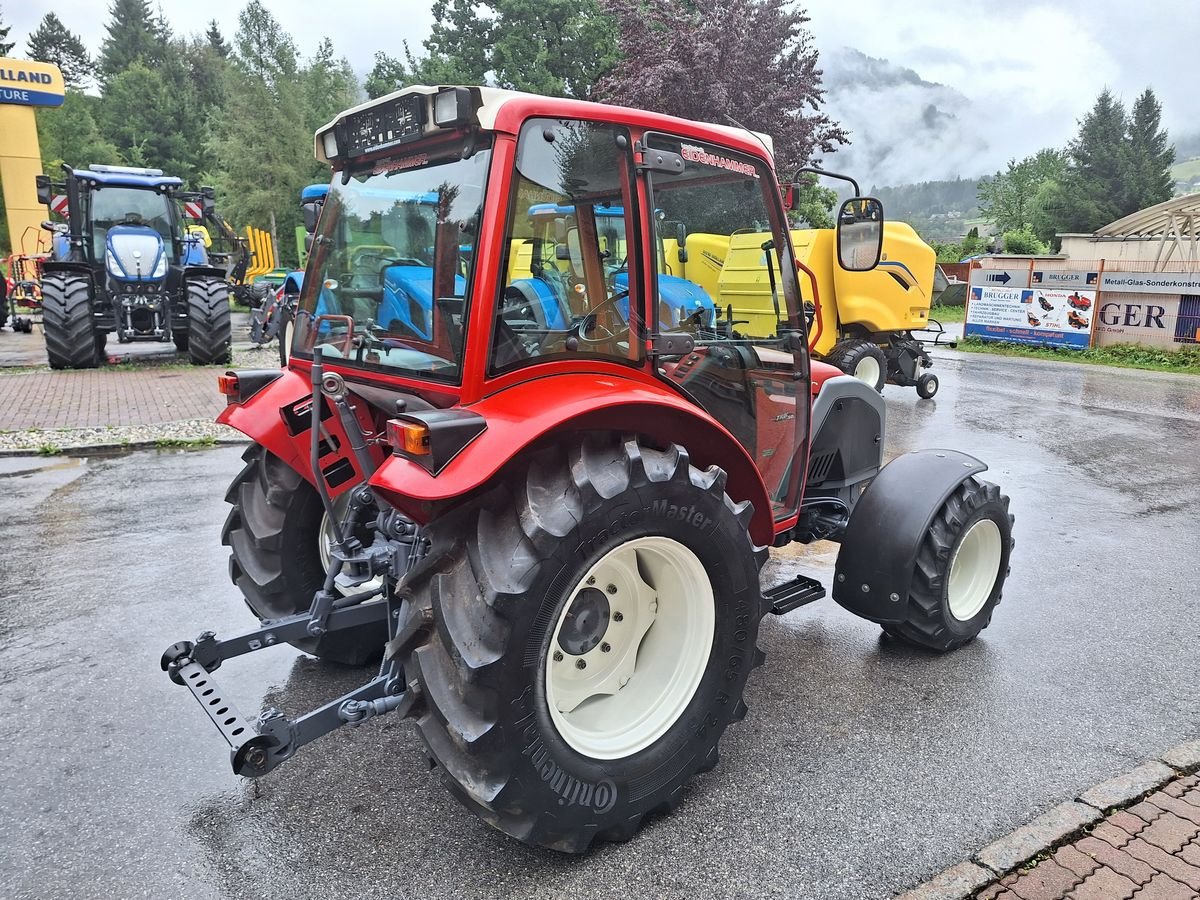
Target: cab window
[[566, 277]]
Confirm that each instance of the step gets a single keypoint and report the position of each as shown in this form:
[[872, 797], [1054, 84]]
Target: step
[[793, 594]]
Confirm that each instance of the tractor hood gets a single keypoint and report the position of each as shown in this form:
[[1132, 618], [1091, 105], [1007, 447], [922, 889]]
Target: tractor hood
[[134, 253]]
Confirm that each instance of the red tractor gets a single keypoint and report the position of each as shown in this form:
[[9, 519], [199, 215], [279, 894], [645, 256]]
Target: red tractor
[[541, 508]]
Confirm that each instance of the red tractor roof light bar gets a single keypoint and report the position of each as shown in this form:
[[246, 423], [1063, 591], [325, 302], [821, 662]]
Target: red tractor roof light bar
[[528, 453]]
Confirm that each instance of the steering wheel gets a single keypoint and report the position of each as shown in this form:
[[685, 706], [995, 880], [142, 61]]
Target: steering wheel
[[592, 315]]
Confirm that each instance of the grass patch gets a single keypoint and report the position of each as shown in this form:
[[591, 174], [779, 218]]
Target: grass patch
[[1185, 361], [185, 443], [946, 314], [50, 450]]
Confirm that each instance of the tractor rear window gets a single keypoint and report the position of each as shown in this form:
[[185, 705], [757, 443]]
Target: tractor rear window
[[391, 266]]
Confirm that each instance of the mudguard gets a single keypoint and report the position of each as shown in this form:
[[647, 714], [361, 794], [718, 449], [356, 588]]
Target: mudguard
[[529, 412], [276, 417], [875, 564]]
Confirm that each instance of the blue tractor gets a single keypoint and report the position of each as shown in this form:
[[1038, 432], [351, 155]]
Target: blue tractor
[[125, 264]]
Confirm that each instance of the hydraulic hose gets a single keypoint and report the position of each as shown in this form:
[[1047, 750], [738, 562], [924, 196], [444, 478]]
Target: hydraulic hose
[[318, 373]]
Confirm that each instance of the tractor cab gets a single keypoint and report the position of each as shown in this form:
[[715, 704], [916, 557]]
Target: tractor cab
[[508, 243]]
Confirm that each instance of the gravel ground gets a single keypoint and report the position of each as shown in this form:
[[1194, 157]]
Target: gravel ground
[[118, 437]]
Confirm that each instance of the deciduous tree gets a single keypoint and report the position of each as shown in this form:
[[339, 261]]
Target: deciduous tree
[[750, 60]]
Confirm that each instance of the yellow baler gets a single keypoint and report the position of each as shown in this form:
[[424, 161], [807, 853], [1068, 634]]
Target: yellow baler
[[863, 321]]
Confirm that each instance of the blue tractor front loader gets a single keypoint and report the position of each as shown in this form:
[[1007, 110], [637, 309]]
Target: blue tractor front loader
[[125, 264]]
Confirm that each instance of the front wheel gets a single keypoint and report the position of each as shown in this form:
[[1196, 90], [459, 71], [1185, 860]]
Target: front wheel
[[960, 570], [209, 333], [67, 322], [593, 624]]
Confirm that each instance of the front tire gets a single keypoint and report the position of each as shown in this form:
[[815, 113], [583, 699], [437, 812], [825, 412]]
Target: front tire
[[517, 585], [862, 359], [273, 532], [960, 570], [67, 323], [209, 332]]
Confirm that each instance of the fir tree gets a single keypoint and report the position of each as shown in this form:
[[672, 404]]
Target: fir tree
[[135, 34], [53, 42], [5, 44], [1149, 159]]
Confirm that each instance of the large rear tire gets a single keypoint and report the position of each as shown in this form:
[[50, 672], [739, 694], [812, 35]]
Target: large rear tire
[[209, 335], [583, 634], [862, 359], [960, 571], [274, 532], [67, 323]]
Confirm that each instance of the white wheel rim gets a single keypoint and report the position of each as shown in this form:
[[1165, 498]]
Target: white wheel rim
[[974, 569], [867, 369], [325, 548], [659, 634]]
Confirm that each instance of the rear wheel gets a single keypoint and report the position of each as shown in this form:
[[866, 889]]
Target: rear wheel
[[209, 333], [960, 569], [67, 323], [593, 623], [275, 533], [862, 359]]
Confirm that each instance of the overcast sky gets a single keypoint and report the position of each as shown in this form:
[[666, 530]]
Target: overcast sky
[[1028, 68]]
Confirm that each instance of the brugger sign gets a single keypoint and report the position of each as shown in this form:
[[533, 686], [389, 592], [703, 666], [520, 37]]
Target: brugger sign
[[28, 83]]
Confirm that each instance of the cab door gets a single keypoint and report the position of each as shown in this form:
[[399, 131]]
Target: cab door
[[721, 230]]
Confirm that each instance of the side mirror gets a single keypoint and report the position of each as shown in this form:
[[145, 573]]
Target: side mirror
[[311, 213], [860, 234], [789, 196], [44, 194], [681, 240]]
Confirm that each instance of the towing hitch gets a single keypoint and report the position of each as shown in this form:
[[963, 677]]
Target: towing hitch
[[257, 748]]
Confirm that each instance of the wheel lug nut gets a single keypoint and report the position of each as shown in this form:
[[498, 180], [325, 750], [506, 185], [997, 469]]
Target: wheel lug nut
[[612, 588], [617, 617], [605, 647], [591, 579], [580, 664], [558, 656]]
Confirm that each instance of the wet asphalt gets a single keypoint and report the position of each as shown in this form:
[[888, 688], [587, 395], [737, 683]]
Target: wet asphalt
[[863, 767]]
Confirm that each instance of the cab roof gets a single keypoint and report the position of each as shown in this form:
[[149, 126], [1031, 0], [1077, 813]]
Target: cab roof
[[504, 110], [128, 176]]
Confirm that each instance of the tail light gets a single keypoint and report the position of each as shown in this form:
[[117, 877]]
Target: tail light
[[433, 437], [227, 384], [409, 438], [238, 387]]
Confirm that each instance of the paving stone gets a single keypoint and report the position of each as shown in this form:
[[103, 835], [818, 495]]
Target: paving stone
[[1169, 832], [1129, 823], [1184, 756], [1029, 840], [1117, 837], [1181, 786], [1120, 790], [1145, 810], [1164, 887], [991, 892], [1165, 862], [1190, 854], [1104, 884], [953, 884], [1117, 860], [1179, 807], [1045, 881], [1192, 797], [1079, 863]]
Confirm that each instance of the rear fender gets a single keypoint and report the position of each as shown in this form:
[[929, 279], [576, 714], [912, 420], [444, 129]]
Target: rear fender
[[204, 272], [534, 411], [879, 550], [278, 417]]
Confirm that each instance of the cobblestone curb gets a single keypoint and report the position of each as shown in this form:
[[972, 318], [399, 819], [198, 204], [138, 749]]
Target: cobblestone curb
[[1148, 847], [115, 438]]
